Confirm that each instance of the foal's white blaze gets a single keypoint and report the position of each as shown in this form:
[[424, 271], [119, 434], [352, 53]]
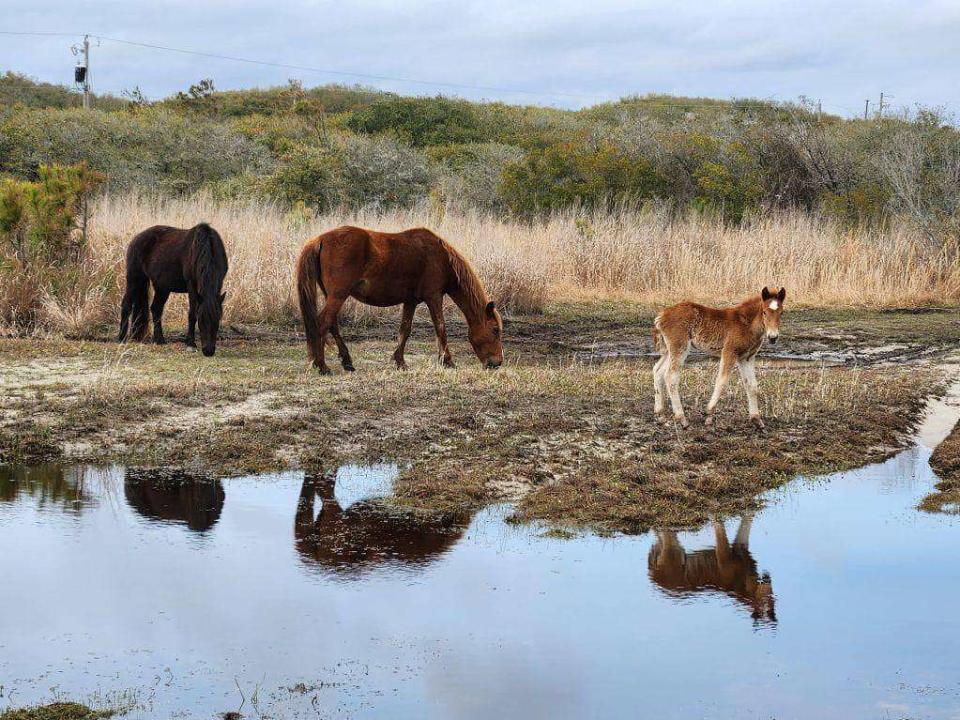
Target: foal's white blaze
[[774, 305]]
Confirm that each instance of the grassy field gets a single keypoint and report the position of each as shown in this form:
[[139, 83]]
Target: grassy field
[[565, 431]]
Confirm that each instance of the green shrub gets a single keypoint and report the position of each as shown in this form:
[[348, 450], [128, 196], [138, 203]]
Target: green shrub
[[560, 176], [419, 121], [42, 237]]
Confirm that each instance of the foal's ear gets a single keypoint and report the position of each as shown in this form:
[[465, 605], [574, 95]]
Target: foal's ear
[[491, 306], [782, 294], [765, 294]]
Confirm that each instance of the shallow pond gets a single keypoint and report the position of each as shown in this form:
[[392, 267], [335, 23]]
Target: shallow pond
[[287, 596]]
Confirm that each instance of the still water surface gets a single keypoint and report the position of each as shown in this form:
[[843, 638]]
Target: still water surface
[[178, 594]]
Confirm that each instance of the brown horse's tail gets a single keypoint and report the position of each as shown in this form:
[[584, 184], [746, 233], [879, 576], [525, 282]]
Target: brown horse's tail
[[308, 280]]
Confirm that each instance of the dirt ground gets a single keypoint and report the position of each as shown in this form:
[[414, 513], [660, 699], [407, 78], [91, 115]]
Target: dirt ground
[[565, 429]]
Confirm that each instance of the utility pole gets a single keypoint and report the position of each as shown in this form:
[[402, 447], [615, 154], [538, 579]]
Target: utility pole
[[880, 111], [819, 109], [866, 109], [81, 74], [86, 78]]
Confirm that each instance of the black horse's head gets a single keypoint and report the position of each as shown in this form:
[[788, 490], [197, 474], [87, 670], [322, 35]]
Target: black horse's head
[[210, 269]]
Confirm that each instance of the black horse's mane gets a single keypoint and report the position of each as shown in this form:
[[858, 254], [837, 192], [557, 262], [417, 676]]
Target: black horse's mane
[[210, 263]]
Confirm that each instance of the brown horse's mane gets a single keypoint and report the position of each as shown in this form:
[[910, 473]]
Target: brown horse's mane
[[467, 279]]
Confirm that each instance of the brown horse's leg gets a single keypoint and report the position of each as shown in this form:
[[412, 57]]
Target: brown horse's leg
[[325, 321], [156, 310], [345, 360], [436, 314], [406, 325]]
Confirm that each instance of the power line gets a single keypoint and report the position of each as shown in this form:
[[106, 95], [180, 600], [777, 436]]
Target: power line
[[343, 73]]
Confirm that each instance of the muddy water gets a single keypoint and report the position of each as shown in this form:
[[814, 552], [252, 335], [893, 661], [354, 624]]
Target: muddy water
[[288, 596]]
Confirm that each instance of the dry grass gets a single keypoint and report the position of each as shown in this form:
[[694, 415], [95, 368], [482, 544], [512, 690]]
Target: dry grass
[[636, 255]]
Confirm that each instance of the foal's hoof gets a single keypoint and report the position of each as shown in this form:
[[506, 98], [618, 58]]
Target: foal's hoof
[[758, 423], [683, 422], [709, 421]]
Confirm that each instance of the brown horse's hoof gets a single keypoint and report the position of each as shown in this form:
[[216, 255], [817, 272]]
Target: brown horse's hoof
[[348, 367], [323, 369], [401, 365]]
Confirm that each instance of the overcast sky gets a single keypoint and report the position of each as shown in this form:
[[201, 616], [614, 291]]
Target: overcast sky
[[566, 53]]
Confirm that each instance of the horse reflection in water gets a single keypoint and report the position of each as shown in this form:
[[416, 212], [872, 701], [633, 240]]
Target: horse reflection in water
[[175, 497], [367, 534], [726, 568]]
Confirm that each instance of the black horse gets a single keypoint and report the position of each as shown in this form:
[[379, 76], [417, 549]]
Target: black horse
[[190, 261], [171, 496]]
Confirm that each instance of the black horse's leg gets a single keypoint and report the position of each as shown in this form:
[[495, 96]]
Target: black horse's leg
[[156, 310], [125, 309], [192, 320]]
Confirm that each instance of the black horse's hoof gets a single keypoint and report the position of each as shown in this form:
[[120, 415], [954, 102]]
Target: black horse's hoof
[[348, 367]]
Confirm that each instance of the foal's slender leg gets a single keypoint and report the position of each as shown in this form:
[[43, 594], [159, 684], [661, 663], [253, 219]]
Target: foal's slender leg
[[156, 310], [325, 320], [748, 376], [192, 320], [406, 325], [345, 360], [672, 377], [659, 385], [742, 539], [727, 360], [436, 314]]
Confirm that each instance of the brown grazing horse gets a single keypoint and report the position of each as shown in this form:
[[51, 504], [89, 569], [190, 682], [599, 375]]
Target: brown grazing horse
[[190, 261], [725, 568], [367, 534], [385, 269], [734, 334]]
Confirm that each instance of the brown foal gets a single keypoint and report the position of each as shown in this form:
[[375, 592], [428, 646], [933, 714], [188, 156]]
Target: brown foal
[[733, 334]]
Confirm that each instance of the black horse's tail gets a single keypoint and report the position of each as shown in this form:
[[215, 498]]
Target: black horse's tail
[[135, 307]]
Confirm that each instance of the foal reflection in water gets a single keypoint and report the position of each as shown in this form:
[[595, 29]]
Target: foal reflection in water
[[726, 568], [175, 497], [367, 534]]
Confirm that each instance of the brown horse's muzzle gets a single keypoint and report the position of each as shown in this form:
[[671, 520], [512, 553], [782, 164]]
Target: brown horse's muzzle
[[493, 364]]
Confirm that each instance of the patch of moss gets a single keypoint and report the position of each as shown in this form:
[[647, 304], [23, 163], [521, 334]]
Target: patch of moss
[[56, 711], [945, 461]]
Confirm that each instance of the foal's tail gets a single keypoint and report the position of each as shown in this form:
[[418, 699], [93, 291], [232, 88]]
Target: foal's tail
[[658, 344], [308, 279]]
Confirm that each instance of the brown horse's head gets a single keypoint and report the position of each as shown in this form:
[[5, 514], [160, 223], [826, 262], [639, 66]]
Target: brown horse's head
[[485, 335], [772, 310]]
